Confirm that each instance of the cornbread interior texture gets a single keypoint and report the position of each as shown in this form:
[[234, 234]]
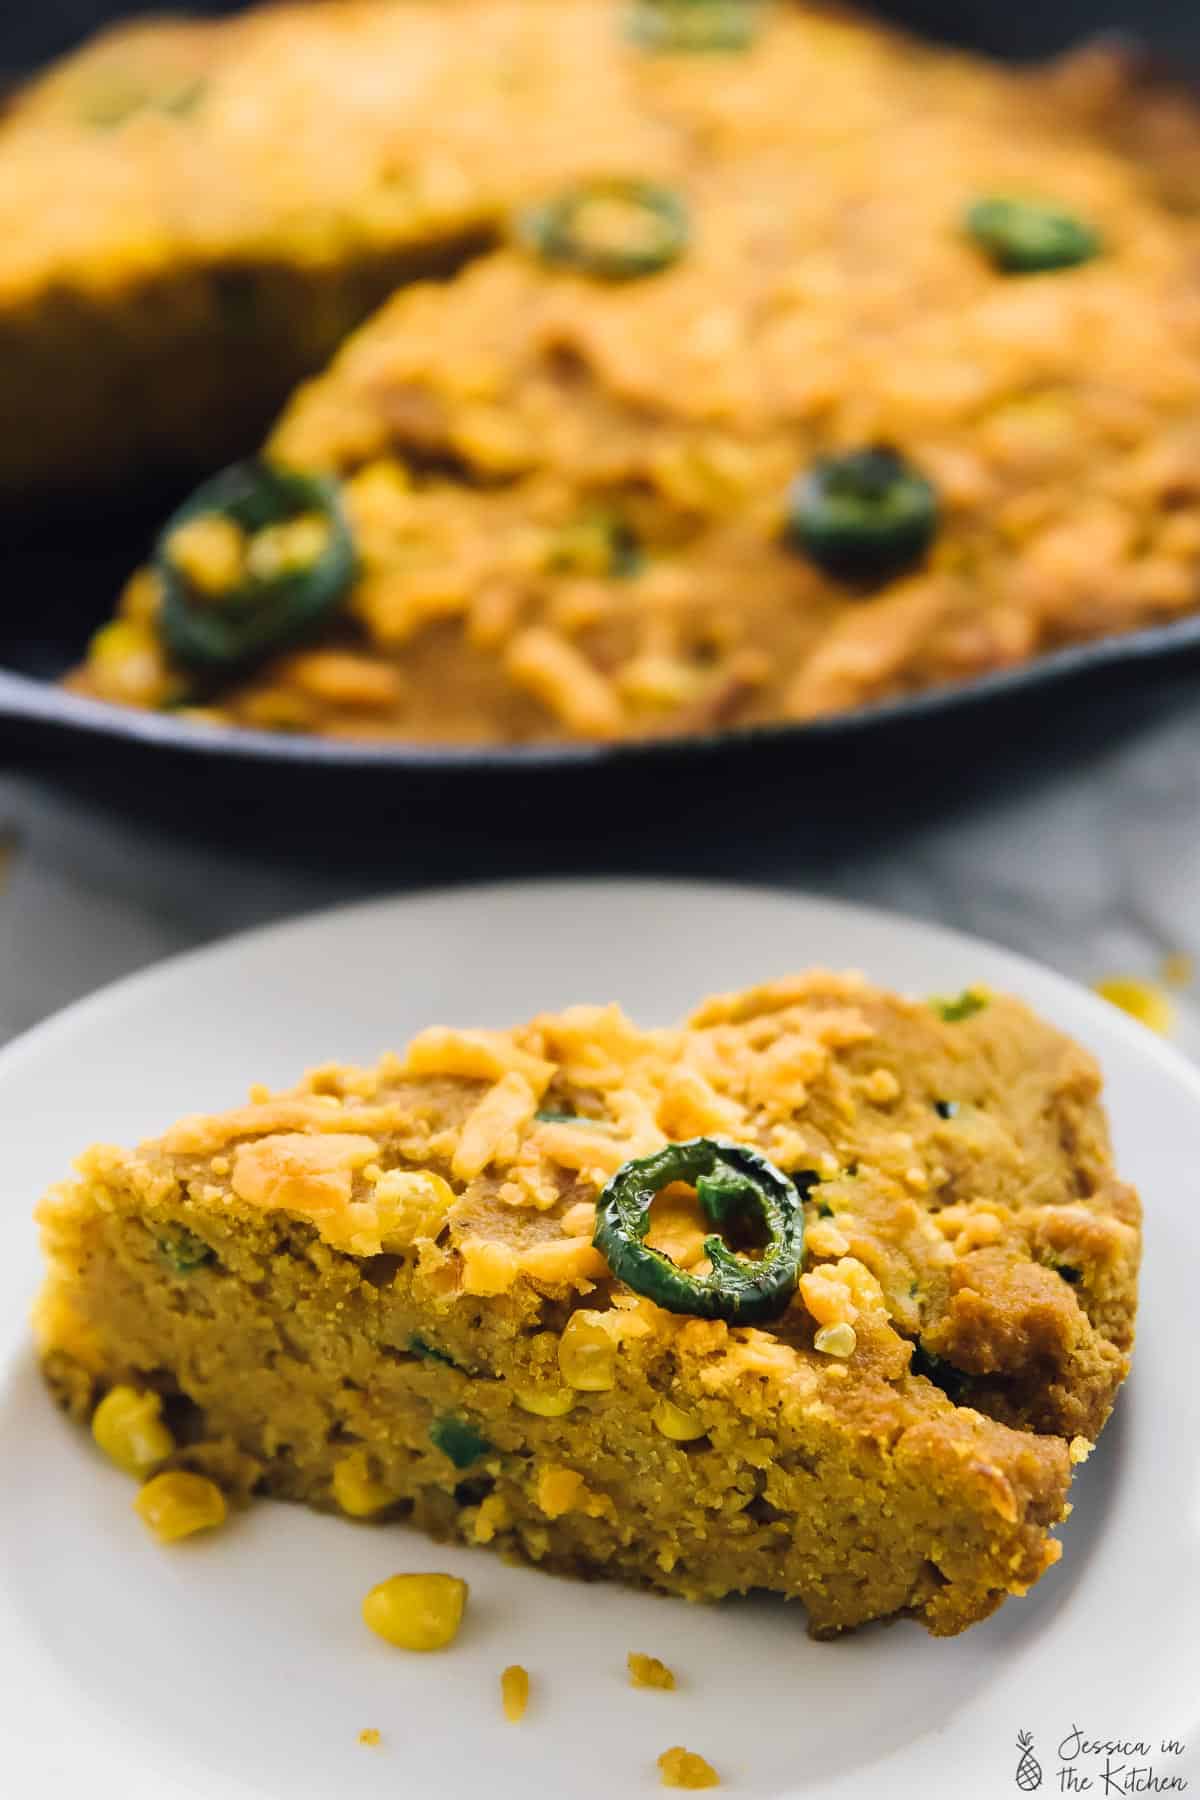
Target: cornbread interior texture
[[570, 495], [377, 1287]]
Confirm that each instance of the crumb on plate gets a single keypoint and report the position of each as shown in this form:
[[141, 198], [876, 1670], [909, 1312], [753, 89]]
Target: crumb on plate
[[1142, 1000], [682, 1768], [514, 1691], [648, 1671]]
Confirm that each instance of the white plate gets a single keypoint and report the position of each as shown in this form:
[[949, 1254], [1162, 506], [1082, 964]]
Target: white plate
[[239, 1667]]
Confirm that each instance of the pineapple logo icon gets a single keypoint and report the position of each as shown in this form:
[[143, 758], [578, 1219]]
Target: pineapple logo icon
[[1029, 1769]]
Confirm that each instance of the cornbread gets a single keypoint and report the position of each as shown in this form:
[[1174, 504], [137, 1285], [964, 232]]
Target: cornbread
[[593, 479], [378, 1293], [195, 213]]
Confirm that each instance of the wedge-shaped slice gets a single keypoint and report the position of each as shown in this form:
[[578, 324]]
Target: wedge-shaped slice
[[379, 1294], [196, 212]]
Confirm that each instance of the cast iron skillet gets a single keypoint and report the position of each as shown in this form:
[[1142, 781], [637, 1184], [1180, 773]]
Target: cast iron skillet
[[75, 571]]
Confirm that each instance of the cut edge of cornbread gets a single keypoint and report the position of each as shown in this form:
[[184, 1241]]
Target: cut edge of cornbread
[[378, 1295]]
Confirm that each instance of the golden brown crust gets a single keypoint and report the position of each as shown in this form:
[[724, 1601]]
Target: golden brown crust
[[386, 1246], [196, 213]]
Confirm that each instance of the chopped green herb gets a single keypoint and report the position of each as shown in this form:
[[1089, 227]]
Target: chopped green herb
[[262, 610], [430, 1352], [184, 1251], [943, 1374], [962, 1007], [119, 97], [546, 1116], [459, 1440], [1023, 237], [693, 25], [946, 1109], [862, 517], [599, 543], [734, 1185], [615, 230]]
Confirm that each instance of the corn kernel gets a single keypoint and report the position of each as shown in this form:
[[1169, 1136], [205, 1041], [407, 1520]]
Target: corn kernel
[[129, 1429], [210, 551], [355, 1488], [416, 1612], [370, 1736], [682, 1768], [836, 1340], [514, 1691], [287, 548], [649, 1672], [126, 663], [674, 1423], [547, 1403], [1142, 1000], [587, 1355], [494, 1515], [177, 1503]]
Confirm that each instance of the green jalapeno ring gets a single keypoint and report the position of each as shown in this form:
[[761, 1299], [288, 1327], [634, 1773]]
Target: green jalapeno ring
[[557, 230], [693, 25], [732, 1182], [215, 636], [864, 516], [1025, 237]]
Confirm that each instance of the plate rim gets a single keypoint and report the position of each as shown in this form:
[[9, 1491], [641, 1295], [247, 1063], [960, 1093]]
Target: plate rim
[[1138, 1037]]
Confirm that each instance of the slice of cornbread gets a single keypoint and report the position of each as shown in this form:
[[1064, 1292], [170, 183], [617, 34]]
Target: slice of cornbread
[[194, 213], [378, 1293]]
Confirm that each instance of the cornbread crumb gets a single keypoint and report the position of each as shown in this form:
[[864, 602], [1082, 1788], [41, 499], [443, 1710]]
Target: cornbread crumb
[[370, 1736], [514, 1691], [1178, 969], [1080, 1449], [648, 1672], [1142, 1000], [682, 1768]]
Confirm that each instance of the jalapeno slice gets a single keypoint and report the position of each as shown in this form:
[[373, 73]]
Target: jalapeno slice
[[864, 516], [1023, 237], [256, 559], [693, 25], [459, 1440], [733, 1184], [598, 543], [615, 230]]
